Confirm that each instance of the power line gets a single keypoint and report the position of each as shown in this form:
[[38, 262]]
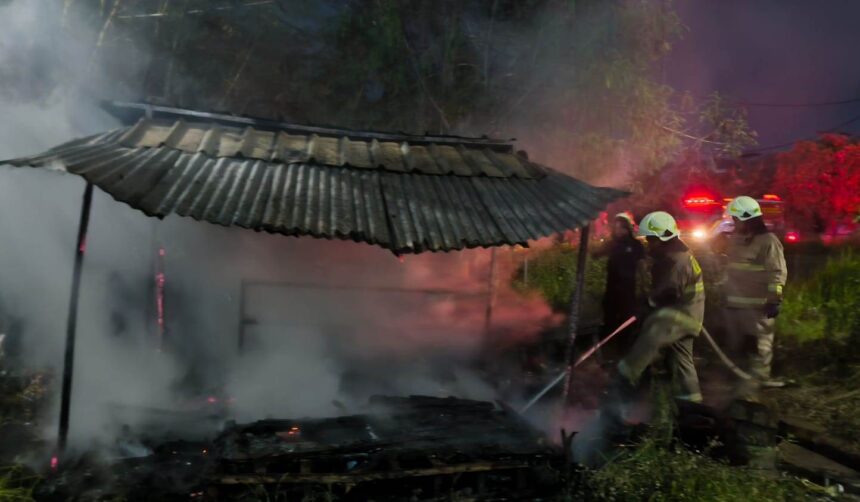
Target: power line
[[795, 105], [777, 104], [843, 124], [834, 128]]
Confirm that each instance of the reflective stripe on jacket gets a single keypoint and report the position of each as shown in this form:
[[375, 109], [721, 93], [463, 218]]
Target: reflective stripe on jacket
[[677, 284], [756, 271]]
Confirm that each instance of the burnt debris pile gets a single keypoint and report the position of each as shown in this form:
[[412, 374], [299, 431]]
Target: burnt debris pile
[[411, 448], [401, 448]]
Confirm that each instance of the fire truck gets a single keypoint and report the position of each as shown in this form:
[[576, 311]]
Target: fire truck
[[701, 216]]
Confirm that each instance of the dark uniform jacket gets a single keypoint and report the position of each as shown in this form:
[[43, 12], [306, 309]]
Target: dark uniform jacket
[[619, 301]]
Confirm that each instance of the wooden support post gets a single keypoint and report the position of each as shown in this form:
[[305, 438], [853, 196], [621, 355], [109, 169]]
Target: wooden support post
[[526, 268], [241, 341], [575, 309], [71, 324], [160, 304], [491, 295]]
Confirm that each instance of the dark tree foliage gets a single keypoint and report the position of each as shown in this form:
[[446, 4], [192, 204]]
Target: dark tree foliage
[[578, 82]]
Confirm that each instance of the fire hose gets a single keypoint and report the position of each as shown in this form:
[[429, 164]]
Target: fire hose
[[720, 354], [579, 361], [743, 375]]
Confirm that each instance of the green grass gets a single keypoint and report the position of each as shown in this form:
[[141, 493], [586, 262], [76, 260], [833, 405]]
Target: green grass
[[552, 273], [658, 472], [818, 345], [659, 468], [16, 485], [825, 306]]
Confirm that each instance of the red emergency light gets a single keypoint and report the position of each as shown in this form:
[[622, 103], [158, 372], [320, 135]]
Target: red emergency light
[[792, 236], [770, 196], [699, 200]]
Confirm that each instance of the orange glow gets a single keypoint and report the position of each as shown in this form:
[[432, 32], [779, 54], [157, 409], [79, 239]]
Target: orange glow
[[770, 196]]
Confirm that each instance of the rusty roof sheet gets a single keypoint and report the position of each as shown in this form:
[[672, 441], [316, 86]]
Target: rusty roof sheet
[[408, 197]]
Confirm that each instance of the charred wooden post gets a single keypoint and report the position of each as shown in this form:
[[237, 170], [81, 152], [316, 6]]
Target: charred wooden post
[[575, 308], [72, 322], [160, 304], [240, 345], [491, 294], [526, 268]]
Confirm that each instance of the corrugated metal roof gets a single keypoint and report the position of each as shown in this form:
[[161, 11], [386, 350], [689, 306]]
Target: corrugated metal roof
[[408, 196], [397, 153]]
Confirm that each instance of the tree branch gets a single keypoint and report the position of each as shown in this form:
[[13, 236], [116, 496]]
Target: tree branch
[[423, 83], [689, 136]]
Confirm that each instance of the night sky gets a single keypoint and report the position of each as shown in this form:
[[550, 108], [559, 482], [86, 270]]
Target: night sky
[[774, 51]]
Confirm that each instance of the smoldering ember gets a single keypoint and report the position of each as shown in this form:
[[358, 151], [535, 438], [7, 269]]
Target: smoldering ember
[[409, 250]]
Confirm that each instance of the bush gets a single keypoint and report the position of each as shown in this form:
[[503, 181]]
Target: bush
[[16, 485], [552, 273], [827, 305]]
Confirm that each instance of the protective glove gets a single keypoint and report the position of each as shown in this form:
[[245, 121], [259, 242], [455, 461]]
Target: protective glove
[[771, 310]]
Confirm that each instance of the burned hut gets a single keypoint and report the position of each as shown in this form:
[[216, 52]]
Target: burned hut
[[404, 193]]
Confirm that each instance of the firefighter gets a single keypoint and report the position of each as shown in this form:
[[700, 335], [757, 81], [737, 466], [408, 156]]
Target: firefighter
[[755, 276], [625, 254], [677, 296]]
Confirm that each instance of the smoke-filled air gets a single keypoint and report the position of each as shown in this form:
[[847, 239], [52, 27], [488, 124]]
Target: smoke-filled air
[[424, 250]]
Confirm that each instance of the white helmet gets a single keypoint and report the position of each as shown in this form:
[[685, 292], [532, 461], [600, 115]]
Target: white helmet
[[658, 224], [744, 208], [626, 216]]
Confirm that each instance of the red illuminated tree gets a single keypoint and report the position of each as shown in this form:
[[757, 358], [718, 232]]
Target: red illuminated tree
[[820, 181]]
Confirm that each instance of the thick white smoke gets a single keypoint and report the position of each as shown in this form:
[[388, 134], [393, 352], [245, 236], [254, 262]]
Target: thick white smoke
[[307, 346]]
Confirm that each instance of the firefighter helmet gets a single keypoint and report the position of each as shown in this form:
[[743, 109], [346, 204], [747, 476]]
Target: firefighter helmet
[[744, 208], [626, 216], [658, 224]]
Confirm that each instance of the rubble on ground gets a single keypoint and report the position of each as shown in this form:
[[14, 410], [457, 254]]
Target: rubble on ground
[[401, 448]]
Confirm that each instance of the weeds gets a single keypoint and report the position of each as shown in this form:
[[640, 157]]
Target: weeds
[[657, 472], [552, 273], [818, 336], [825, 306], [659, 468], [16, 485]]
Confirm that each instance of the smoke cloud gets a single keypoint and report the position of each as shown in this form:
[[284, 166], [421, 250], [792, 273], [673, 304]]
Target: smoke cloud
[[318, 337]]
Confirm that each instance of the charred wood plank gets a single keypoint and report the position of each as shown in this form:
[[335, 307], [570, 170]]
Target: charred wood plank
[[329, 478], [819, 468], [819, 441]]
